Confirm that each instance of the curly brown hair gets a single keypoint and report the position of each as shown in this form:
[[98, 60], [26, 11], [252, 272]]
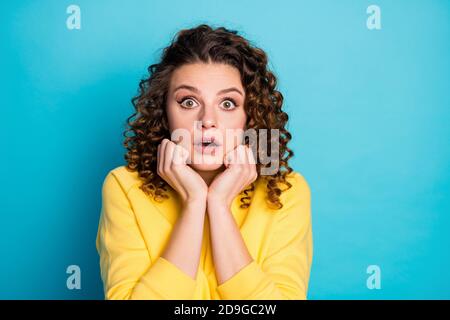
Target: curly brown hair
[[263, 105]]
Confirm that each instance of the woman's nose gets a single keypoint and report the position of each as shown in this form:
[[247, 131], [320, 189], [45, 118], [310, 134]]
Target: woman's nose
[[208, 123], [208, 118]]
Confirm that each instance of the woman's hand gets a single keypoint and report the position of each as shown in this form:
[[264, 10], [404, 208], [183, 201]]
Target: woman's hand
[[173, 169], [239, 173]]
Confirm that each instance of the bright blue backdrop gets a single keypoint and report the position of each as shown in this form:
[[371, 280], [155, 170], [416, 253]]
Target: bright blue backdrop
[[369, 112]]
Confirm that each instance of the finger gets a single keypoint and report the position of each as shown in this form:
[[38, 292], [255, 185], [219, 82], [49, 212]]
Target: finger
[[168, 155], [178, 155], [251, 157], [158, 159], [251, 169], [185, 154], [162, 147], [178, 140], [227, 158], [252, 161], [230, 157], [250, 166], [182, 152], [245, 167], [242, 155]]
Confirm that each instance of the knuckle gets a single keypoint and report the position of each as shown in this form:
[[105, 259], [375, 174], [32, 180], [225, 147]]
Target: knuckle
[[166, 168]]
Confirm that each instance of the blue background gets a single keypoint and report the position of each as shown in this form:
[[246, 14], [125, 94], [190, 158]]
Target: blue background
[[369, 112]]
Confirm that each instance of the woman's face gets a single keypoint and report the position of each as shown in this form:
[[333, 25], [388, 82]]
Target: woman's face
[[206, 102]]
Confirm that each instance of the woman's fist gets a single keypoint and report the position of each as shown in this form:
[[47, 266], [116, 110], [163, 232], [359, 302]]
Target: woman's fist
[[172, 167]]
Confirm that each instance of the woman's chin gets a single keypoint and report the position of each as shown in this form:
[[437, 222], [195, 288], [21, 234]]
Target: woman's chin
[[206, 166], [206, 162]]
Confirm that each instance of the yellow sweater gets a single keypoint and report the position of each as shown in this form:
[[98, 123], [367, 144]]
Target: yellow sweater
[[134, 229]]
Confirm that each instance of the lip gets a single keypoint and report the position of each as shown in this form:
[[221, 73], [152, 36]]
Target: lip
[[206, 149], [212, 139]]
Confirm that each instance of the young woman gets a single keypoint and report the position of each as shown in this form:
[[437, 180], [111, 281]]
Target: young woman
[[195, 214]]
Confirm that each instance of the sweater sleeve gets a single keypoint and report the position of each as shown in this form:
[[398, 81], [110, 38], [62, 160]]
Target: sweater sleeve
[[126, 268], [284, 273]]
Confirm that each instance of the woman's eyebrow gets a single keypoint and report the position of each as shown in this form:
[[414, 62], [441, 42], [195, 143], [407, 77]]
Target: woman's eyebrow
[[185, 86], [194, 89], [229, 90]]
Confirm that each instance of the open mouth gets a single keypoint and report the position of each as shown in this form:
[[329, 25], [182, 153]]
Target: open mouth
[[209, 144], [207, 147]]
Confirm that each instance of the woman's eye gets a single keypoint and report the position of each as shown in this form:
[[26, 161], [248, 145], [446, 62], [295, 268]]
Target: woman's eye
[[229, 104], [187, 103]]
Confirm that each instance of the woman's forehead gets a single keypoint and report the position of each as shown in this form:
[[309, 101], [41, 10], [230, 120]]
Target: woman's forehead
[[204, 77]]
